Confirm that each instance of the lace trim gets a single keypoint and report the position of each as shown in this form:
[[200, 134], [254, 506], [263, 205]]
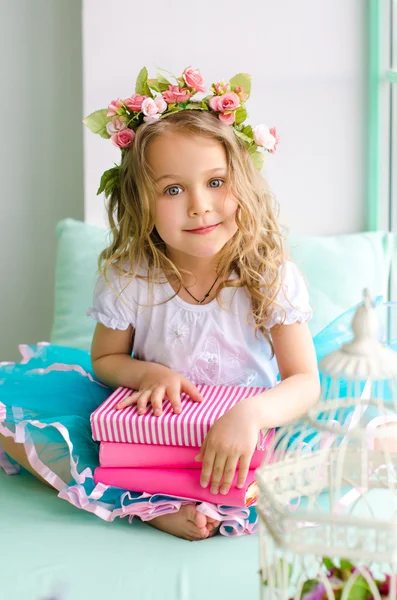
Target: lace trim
[[108, 320], [292, 316]]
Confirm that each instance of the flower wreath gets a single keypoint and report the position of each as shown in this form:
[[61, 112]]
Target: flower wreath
[[157, 98]]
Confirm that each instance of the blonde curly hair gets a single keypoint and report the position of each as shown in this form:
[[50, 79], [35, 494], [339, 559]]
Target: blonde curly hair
[[255, 252]]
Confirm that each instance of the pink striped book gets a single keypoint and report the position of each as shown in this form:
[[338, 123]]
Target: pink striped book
[[188, 428], [117, 454], [184, 483]]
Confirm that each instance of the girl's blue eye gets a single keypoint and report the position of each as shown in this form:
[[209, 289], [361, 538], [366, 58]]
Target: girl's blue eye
[[218, 183], [173, 190]]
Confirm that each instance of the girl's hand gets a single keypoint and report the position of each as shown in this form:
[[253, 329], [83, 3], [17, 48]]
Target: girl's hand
[[156, 383], [230, 441]]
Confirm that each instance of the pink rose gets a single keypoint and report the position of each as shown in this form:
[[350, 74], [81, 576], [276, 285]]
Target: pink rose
[[214, 103], [115, 125], [176, 95], [134, 103], [263, 137], [227, 102], [228, 118], [124, 138], [242, 95], [113, 106], [221, 88], [276, 137], [194, 79]]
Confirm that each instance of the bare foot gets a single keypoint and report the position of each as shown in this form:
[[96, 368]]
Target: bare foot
[[187, 523], [212, 526]]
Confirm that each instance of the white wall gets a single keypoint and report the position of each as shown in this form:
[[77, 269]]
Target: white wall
[[308, 63], [41, 158]]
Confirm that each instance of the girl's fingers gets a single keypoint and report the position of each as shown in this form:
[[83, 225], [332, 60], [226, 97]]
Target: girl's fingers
[[157, 400], [230, 470], [200, 455], [243, 470], [217, 472], [129, 401], [174, 397], [191, 390], [142, 401], [206, 470]]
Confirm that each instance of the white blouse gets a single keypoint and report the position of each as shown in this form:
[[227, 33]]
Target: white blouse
[[207, 343]]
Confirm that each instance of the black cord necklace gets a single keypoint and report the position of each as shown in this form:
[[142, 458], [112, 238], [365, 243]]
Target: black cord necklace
[[207, 294]]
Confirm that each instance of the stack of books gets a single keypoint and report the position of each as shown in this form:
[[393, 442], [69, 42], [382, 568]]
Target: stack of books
[[156, 455]]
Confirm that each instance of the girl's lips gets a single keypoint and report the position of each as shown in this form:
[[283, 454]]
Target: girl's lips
[[202, 230]]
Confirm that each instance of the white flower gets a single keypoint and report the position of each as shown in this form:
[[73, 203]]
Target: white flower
[[161, 104], [149, 107], [152, 109], [263, 137], [115, 125], [177, 331]]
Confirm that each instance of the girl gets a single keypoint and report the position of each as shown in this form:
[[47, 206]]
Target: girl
[[195, 285]]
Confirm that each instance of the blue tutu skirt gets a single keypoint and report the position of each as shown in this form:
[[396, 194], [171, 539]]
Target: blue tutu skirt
[[45, 404]]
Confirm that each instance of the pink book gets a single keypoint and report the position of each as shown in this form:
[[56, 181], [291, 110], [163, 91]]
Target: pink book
[[184, 483], [188, 428], [117, 454]]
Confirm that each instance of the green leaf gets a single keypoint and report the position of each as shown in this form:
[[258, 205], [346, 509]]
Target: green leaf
[[346, 565], [242, 136], [141, 86], [243, 80], [248, 131], [97, 121], [308, 585], [207, 98], [360, 590], [163, 83], [153, 84], [109, 181], [258, 159], [327, 562], [241, 115]]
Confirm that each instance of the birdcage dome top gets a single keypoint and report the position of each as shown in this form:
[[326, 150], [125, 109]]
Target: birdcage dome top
[[365, 356]]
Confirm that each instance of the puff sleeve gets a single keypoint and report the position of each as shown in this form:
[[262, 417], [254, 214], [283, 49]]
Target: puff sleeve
[[112, 302], [292, 302]]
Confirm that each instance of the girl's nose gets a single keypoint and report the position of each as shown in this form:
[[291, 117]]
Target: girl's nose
[[200, 202]]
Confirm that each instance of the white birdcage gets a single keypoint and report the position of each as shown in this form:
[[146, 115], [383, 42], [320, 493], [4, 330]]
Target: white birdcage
[[328, 487]]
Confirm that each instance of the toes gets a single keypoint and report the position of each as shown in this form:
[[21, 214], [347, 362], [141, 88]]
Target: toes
[[192, 534], [198, 534], [213, 527], [190, 512], [197, 523], [200, 520], [210, 520]]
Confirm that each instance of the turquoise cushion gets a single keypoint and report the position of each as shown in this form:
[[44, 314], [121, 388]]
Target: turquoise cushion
[[79, 246], [337, 268]]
